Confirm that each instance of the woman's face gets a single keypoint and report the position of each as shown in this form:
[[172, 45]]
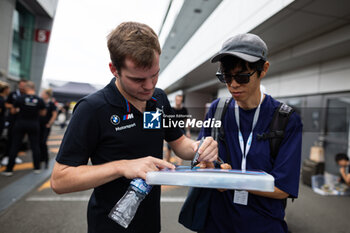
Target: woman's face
[[7, 91], [44, 95]]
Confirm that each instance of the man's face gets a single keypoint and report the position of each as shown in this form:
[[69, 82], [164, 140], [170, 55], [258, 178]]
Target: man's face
[[243, 92], [178, 100], [7, 91], [343, 163], [22, 87], [137, 82]]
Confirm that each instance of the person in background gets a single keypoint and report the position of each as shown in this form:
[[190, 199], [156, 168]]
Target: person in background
[[45, 124], [344, 167], [4, 92], [11, 118], [181, 114], [63, 114], [243, 64], [28, 108]]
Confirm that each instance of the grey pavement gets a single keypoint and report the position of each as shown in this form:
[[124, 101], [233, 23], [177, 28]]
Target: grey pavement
[[38, 209], [313, 213], [44, 211]]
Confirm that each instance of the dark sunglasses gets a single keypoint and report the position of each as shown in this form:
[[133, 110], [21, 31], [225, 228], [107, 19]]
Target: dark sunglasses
[[239, 78]]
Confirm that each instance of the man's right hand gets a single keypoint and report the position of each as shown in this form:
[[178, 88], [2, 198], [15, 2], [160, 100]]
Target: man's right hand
[[138, 168], [67, 179]]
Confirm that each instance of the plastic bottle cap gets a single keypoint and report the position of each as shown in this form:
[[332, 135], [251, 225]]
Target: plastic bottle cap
[[141, 185]]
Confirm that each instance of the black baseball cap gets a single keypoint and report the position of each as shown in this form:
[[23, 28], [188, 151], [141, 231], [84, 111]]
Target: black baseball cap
[[247, 46]]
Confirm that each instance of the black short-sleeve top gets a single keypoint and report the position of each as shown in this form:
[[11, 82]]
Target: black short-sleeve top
[[50, 108], [30, 106], [105, 127]]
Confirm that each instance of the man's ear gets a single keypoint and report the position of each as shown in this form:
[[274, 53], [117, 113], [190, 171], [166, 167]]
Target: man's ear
[[265, 69], [113, 69]]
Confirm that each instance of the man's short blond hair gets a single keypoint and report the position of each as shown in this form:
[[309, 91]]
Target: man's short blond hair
[[135, 41], [30, 85]]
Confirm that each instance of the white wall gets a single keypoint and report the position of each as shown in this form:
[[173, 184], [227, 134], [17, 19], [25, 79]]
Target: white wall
[[6, 11], [196, 104], [49, 6], [332, 76], [39, 52]]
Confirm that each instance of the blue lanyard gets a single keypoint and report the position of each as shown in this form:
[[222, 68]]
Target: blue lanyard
[[240, 137]]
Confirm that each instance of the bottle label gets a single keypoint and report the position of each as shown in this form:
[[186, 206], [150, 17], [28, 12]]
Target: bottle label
[[141, 185]]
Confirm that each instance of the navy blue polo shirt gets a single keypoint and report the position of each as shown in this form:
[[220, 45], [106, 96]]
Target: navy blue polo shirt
[[106, 127], [50, 108], [261, 215], [11, 99], [2, 107], [2, 114]]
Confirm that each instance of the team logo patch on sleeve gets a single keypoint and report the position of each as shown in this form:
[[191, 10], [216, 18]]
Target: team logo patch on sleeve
[[151, 120], [115, 120]]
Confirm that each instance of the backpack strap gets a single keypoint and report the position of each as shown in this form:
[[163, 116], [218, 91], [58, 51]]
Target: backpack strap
[[277, 128], [219, 134], [219, 114]]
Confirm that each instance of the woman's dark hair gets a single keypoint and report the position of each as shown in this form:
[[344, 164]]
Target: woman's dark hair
[[229, 63]]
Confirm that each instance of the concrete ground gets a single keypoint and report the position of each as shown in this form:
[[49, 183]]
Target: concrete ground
[[28, 205]]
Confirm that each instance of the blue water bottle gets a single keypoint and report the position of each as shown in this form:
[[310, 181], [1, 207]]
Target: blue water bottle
[[125, 209]]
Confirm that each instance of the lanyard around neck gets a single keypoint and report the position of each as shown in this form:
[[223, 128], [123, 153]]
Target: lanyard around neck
[[240, 136]]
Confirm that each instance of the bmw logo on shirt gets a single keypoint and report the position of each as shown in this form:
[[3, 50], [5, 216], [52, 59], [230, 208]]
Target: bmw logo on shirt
[[115, 120], [30, 101]]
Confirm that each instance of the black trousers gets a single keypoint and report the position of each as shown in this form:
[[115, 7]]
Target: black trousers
[[2, 125], [22, 127], [44, 134], [9, 137]]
